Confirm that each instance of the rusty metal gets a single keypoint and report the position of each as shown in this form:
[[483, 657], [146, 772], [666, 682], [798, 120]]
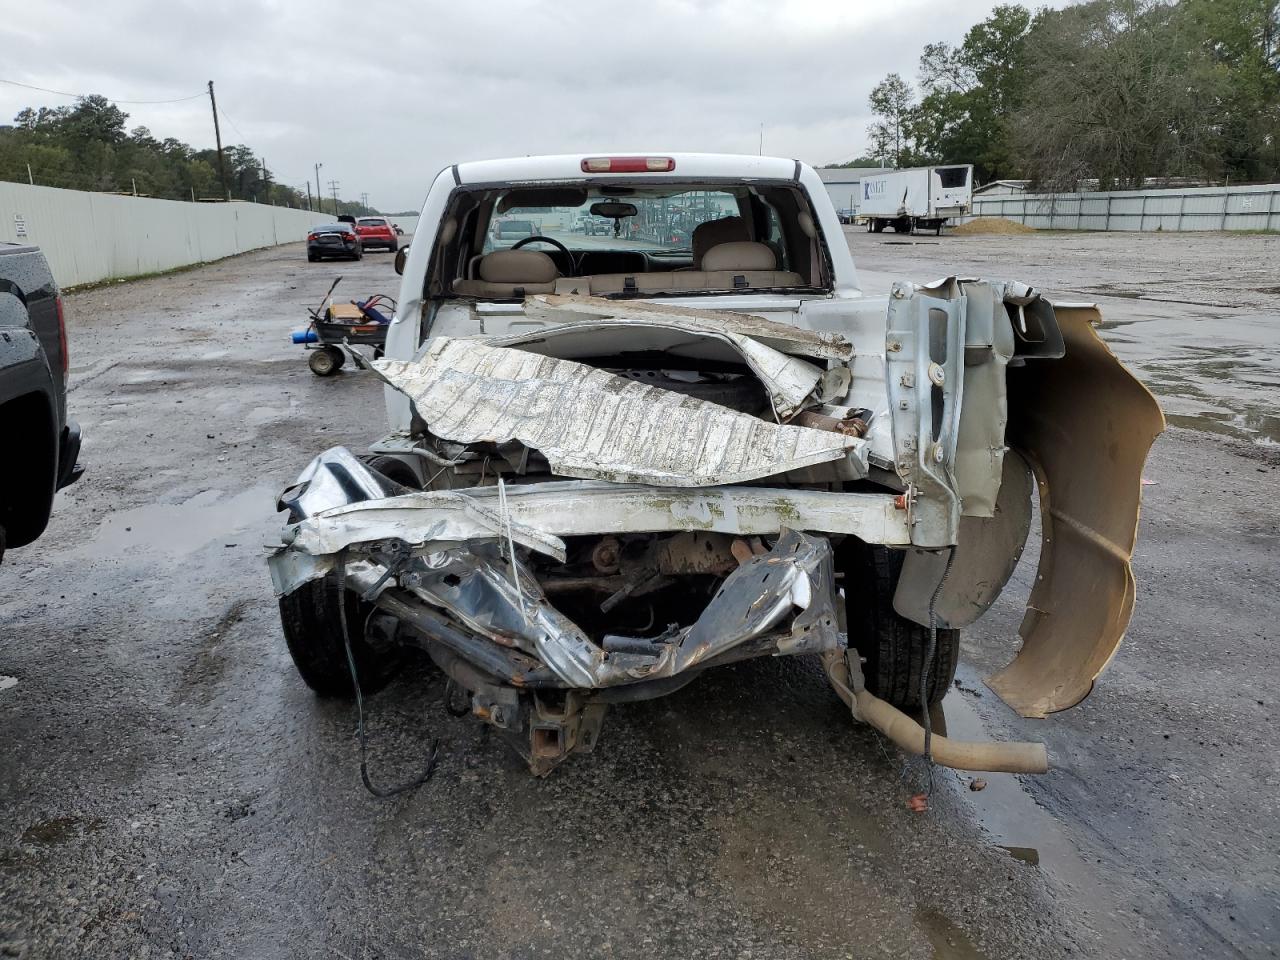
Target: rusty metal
[[851, 426], [693, 552], [605, 555]]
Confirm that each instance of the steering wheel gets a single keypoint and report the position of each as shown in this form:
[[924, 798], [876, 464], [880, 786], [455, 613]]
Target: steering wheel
[[573, 263]]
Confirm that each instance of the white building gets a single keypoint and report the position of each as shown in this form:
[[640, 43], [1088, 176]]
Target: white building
[[844, 185], [1001, 188]]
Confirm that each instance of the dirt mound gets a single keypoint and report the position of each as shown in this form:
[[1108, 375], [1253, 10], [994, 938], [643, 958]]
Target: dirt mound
[[989, 225]]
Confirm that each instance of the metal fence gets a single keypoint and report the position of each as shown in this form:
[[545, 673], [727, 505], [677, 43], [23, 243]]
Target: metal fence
[[99, 236], [1254, 207]]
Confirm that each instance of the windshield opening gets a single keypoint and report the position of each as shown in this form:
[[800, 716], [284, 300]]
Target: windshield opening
[[661, 224]]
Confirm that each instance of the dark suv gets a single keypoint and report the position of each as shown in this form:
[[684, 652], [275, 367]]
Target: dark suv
[[39, 446]]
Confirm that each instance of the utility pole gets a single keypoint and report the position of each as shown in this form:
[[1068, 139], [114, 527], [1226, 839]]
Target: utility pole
[[30, 179], [217, 136], [760, 152], [364, 200], [266, 183], [308, 194], [333, 188], [319, 192]]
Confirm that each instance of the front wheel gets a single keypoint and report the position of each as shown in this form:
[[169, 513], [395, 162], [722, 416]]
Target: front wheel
[[893, 647], [312, 629], [326, 361]]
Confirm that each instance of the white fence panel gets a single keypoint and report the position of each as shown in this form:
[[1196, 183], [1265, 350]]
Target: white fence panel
[[1253, 207], [100, 236]]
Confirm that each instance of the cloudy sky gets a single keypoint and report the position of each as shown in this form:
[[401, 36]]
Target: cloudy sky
[[386, 93]]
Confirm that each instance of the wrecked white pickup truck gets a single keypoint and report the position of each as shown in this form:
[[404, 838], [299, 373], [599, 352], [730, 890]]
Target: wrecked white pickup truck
[[615, 462]]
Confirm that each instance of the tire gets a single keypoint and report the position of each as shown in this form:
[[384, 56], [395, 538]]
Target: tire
[[313, 633], [358, 255], [393, 468], [326, 361], [393, 247], [893, 646], [312, 258]]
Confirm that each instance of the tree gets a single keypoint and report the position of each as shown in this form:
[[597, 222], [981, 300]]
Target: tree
[[1121, 91], [971, 93], [893, 103], [86, 147], [1241, 40]]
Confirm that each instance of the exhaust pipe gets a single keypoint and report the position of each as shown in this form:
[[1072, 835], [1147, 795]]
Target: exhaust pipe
[[988, 757]]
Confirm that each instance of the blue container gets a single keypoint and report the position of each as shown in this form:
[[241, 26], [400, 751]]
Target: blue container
[[305, 336]]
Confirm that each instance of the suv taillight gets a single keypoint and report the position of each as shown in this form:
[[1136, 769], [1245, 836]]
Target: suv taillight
[[62, 334]]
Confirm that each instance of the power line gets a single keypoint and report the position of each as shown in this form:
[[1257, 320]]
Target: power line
[[81, 96], [222, 112]]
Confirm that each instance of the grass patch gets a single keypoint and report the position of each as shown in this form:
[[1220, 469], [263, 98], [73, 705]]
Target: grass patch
[[134, 277]]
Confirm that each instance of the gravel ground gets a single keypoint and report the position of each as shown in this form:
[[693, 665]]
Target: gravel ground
[[169, 787]]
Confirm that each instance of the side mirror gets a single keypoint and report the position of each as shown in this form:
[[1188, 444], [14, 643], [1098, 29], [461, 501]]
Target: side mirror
[[401, 256]]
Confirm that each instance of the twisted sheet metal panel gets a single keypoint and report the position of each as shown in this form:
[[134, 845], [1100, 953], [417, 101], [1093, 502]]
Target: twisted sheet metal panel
[[594, 425]]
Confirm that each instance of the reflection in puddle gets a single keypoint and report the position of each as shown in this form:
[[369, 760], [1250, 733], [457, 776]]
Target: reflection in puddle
[[949, 942], [1216, 374], [180, 528], [1004, 809], [60, 830], [1029, 855]]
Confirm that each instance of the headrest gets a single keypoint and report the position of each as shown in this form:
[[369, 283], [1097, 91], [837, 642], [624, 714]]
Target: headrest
[[743, 255], [707, 235], [518, 266]]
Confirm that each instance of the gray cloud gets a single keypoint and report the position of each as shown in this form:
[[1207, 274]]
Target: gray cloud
[[385, 94]]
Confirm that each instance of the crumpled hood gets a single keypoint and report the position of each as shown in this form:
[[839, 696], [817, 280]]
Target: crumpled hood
[[595, 425]]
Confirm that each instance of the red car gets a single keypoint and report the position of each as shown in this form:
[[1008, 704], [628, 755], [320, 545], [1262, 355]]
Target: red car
[[377, 232]]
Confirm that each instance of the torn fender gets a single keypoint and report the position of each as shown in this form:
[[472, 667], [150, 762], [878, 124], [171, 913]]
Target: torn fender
[[1086, 425]]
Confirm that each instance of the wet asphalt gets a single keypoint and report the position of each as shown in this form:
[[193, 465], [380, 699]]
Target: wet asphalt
[[169, 788]]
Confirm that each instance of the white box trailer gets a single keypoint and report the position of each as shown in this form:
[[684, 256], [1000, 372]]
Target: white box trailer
[[923, 197]]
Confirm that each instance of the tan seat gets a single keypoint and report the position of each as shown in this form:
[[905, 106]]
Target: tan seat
[[735, 265], [511, 273], [662, 282], [715, 232], [728, 266]]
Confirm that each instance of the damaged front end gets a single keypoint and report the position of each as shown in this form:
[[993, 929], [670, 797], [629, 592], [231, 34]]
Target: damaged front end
[[596, 510]]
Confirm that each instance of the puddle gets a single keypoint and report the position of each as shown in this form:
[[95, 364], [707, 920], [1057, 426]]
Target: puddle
[[1003, 808], [182, 528], [8, 682], [1216, 374], [60, 830], [1025, 831], [948, 941], [1028, 855]]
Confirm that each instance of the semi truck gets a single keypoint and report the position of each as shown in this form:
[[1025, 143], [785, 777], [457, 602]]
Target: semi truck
[[919, 198]]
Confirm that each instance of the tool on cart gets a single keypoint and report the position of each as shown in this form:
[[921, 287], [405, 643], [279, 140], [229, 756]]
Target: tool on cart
[[351, 324]]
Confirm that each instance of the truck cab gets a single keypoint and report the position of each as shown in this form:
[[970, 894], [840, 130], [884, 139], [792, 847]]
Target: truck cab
[[616, 461]]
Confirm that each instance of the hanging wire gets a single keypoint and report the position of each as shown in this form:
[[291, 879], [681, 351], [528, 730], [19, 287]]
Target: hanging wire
[[81, 96], [430, 767]]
